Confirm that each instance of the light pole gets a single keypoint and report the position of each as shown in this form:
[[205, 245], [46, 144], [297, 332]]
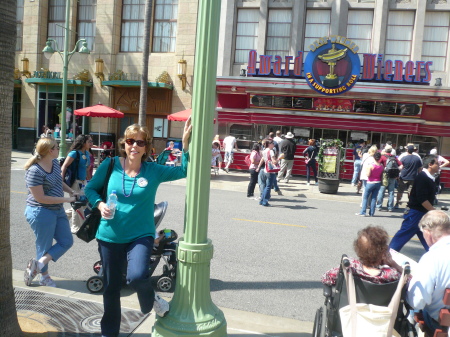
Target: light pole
[[66, 56], [192, 312]]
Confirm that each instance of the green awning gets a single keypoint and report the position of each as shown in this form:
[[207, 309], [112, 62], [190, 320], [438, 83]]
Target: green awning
[[126, 84], [53, 81]]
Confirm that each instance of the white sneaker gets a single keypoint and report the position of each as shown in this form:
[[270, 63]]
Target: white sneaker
[[160, 306], [307, 184], [257, 198], [47, 281], [31, 271]]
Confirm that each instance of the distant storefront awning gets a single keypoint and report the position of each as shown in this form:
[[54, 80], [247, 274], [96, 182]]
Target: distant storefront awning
[[180, 116], [57, 81], [125, 84]]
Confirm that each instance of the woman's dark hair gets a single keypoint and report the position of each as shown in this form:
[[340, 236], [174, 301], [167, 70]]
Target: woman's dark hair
[[79, 142], [371, 245], [256, 147], [377, 156]]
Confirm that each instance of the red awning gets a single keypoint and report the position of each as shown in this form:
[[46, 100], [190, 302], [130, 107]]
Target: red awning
[[99, 110]]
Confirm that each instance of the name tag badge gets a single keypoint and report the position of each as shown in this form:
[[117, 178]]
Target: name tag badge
[[142, 182], [84, 157]]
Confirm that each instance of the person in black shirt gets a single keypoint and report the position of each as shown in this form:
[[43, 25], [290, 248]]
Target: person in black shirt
[[287, 148], [310, 154], [421, 201]]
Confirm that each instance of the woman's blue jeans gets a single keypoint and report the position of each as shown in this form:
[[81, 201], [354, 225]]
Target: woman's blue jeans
[[136, 257], [269, 180], [47, 225], [311, 166], [370, 194]]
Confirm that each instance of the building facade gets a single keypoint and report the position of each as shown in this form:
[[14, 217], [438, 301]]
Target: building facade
[[110, 74], [376, 70]]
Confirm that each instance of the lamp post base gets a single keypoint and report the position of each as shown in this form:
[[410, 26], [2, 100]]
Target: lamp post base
[[192, 312]]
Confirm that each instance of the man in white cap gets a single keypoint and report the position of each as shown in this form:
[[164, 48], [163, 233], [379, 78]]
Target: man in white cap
[[392, 167], [287, 149]]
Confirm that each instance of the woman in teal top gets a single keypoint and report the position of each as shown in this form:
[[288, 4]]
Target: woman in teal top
[[129, 235], [79, 159]]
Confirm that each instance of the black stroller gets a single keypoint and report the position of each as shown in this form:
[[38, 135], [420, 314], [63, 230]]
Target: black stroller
[[327, 322], [165, 251]]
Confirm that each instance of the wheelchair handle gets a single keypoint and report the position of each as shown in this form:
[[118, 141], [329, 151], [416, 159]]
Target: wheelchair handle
[[407, 268], [345, 261]]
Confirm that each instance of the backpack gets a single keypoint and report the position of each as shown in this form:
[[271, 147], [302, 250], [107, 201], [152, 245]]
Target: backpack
[[391, 168], [72, 171]]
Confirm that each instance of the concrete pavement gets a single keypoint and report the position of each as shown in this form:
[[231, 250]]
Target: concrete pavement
[[239, 323]]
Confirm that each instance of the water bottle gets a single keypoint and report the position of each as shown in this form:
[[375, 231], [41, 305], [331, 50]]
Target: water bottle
[[111, 203]]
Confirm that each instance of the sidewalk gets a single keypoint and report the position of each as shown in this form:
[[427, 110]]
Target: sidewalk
[[239, 323]]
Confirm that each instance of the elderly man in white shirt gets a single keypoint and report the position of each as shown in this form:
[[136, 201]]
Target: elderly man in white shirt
[[432, 276]]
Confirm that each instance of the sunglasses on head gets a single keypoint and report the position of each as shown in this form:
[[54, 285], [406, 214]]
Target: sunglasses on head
[[140, 143]]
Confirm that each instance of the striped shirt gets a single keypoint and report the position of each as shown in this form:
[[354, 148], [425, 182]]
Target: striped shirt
[[51, 183]]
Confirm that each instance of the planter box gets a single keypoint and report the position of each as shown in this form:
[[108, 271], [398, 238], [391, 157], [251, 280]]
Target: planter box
[[328, 186]]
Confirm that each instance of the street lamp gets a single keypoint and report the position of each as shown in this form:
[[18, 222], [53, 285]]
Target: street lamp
[[66, 56]]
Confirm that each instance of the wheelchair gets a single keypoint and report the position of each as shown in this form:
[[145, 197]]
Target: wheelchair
[[327, 322]]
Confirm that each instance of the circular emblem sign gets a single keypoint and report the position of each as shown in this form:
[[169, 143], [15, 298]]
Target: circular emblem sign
[[332, 69]]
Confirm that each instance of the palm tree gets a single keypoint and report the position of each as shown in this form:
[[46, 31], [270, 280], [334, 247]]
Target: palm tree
[[145, 56], [9, 325]]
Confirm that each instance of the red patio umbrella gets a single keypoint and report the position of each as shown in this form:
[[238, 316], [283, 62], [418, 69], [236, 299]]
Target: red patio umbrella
[[99, 110], [180, 116]]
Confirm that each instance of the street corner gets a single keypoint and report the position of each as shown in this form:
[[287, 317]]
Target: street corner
[[34, 324]]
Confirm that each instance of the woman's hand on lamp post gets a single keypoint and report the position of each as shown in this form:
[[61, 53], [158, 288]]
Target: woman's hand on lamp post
[[186, 134]]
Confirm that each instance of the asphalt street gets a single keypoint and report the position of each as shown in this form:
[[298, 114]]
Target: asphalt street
[[266, 260]]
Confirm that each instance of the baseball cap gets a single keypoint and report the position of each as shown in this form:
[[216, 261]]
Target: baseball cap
[[410, 148], [433, 151]]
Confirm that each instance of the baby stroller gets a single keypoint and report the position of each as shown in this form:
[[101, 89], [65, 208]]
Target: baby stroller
[[165, 251], [327, 322], [106, 152]]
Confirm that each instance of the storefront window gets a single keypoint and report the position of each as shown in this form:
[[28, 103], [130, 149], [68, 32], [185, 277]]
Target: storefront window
[[424, 144], [49, 108]]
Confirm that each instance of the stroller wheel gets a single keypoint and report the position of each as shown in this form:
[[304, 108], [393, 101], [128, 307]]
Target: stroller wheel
[[94, 284], [165, 284], [97, 266]]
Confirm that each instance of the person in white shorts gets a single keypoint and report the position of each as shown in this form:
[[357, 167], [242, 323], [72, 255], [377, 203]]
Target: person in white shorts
[[228, 144]]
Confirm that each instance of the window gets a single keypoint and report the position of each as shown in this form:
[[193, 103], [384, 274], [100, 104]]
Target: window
[[399, 35], [132, 25], [246, 33], [435, 39], [279, 32], [317, 26], [86, 21], [165, 26], [19, 22], [359, 30], [56, 21]]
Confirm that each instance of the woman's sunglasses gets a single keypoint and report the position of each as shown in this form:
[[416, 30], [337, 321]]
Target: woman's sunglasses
[[140, 143]]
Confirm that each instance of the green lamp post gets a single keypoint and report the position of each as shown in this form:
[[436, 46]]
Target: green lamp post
[[192, 312], [66, 56]]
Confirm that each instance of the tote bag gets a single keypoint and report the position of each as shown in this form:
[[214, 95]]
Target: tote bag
[[368, 320], [271, 167]]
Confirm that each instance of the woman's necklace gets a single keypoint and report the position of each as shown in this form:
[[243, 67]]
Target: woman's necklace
[[123, 180]]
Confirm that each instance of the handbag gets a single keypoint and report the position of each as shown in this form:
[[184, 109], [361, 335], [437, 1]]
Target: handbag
[[369, 320], [89, 228], [247, 160], [270, 166]]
